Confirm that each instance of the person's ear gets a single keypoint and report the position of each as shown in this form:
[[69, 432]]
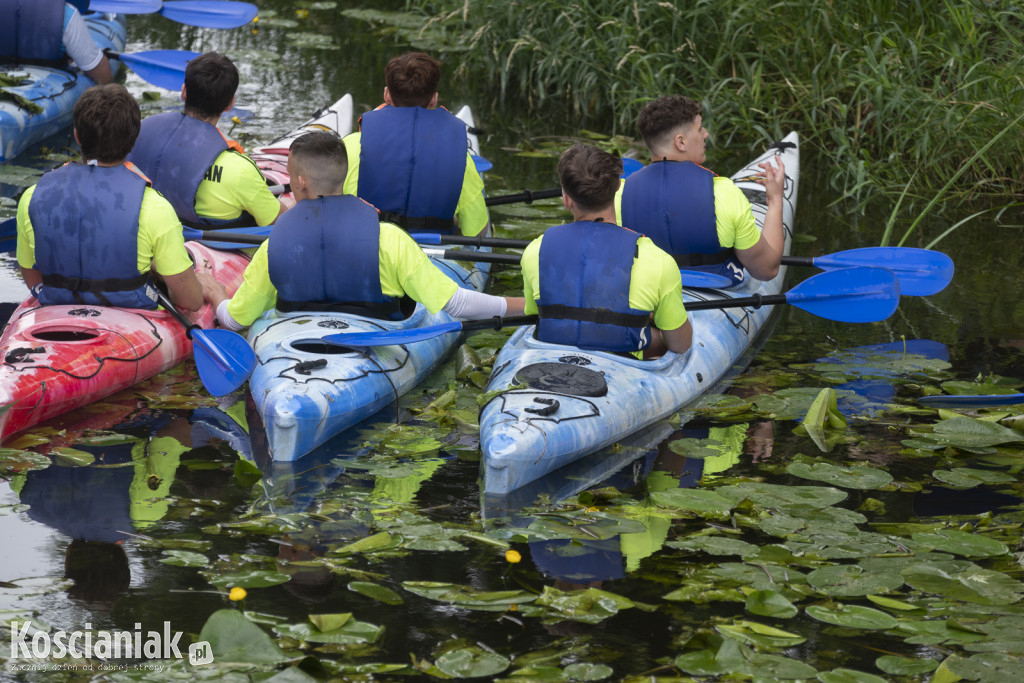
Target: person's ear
[[183, 99], [433, 102], [567, 202], [387, 97]]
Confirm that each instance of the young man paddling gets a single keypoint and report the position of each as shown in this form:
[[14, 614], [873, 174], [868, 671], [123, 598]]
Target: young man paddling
[[410, 158], [594, 284], [92, 232], [51, 32], [701, 219], [206, 176], [331, 252]]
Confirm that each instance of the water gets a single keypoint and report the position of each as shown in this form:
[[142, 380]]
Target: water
[[168, 484]]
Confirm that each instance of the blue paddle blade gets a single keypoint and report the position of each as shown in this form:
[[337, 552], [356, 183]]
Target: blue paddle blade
[[950, 401], [849, 295], [162, 68], [9, 235], [699, 279], [630, 166], [482, 165], [224, 359], [209, 13], [125, 6], [921, 272], [391, 337]]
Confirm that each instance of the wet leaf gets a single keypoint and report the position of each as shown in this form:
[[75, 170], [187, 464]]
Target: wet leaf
[[852, 616], [786, 498], [590, 605], [466, 596], [329, 622], [760, 635], [471, 662], [255, 578], [585, 671], [823, 417], [905, 666], [769, 603], [968, 477], [967, 432], [974, 584], [850, 580], [352, 632], [233, 638], [71, 457], [857, 477], [695, 500], [726, 656], [378, 541], [184, 558], [715, 545], [848, 676], [376, 592], [962, 543], [777, 666], [247, 473], [16, 460]]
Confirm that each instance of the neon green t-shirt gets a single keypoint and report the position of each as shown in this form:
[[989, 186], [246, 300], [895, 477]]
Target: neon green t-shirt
[[404, 269], [734, 219], [234, 184], [470, 212], [160, 239], [655, 283]]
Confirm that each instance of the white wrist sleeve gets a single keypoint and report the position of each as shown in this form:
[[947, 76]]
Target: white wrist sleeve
[[225, 319], [468, 303]]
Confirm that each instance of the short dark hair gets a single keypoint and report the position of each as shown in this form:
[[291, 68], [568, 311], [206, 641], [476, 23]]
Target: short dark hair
[[107, 121], [589, 176], [412, 79], [665, 114], [211, 80], [322, 158]]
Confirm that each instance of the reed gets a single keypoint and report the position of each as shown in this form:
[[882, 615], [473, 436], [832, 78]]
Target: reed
[[882, 90]]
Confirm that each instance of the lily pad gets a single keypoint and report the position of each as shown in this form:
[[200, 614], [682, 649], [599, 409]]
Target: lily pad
[[376, 592], [974, 584], [255, 578], [184, 558], [466, 596], [471, 662], [786, 498], [967, 432], [969, 477], [848, 676], [852, 616], [848, 580], [694, 500], [905, 666], [769, 603], [586, 671], [715, 545], [760, 635], [962, 543], [233, 638], [859, 477]]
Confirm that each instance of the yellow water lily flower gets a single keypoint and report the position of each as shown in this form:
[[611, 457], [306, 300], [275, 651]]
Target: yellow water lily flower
[[512, 556], [237, 593]]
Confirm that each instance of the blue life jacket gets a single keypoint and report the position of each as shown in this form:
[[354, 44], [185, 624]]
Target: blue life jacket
[[411, 166], [585, 270], [673, 203], [32, 31], [324, 256], [176, 152], [85, 220]]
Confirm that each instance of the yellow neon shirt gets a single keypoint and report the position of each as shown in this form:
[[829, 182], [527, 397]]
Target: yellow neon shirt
[[404, 269], [160, 239], [470, 212], [734, 219], [234, 184]]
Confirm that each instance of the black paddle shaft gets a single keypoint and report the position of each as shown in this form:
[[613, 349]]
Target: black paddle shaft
[[526, 196], [755, 301], [172, 309]]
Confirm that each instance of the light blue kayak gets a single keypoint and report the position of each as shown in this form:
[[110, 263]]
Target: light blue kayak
[[577, 402], [307, 391], [55, 90]]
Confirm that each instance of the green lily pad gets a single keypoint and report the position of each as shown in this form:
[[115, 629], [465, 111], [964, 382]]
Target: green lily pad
[[466, 596], [968, 432], [760, 635], [233, 638], [585, 671], [962, 543], [471, 662], [694, 500], [859, 477], [848, 580], [715, 545], [848, 676], [823, 418], [376, 592], [184, 558], [974, 584], [351, 632], [852, 616], [769, 603], [787, 498], [905, 666], [723, 656], [779, 667], [255, 578], [969, 477]]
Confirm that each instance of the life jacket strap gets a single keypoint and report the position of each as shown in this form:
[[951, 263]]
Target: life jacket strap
[[601, 316], [82, 284]]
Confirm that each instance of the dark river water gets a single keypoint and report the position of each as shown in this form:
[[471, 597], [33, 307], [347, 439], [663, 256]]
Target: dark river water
[[166, 463]]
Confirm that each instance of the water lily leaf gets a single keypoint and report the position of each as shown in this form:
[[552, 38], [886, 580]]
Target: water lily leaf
[[17, 460], [233, 638], [761, 577], [255, 578], [849, 580], [769, 603], [777, 666], [968, 477], [586, 671], [694, 500], [852, 616], [246, 473], [891, 603], [184, 558], [974, 584], [590, 605], [466, 596], [848, 676], [959, 388], [727, 658], [962, 543], [72, 457], [376, 592], [825, 519], [760, 635], [329, 622], [352, 632], [822, 417], [989, 666], [471, 662], [905, 666], [858, 477], [787, 498], [369, 544], [715, 545], [969, 432]]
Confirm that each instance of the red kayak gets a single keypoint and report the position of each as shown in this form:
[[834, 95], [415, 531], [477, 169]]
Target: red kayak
[[57, 358]]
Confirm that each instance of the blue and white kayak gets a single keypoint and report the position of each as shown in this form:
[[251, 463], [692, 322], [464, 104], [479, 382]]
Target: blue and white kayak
[[576, 402], [307, 391], [54, 90]]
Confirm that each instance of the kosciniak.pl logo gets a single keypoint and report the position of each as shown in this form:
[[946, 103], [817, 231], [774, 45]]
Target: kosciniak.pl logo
[[28, 642]]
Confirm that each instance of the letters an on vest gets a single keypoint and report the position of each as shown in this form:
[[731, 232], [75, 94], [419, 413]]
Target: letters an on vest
[[85, 220], [585, 270], [176, 152], [673, 203], [32, 32], [323, 255], [411, 165]]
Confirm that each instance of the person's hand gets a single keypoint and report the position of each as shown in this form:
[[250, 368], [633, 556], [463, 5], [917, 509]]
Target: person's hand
[[773, 177], [213, 291]]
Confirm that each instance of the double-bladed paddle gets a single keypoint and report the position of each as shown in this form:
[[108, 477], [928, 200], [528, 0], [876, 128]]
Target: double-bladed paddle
[[201, 13], [970, 400], [848, 295], [223, 358], [162, 68]]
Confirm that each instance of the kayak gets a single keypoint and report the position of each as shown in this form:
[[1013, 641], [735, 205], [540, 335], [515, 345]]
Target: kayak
[[306, 391], [54, 90], [552, 404], [58, 358]]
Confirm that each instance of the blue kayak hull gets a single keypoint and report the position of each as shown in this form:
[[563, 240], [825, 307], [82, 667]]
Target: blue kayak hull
[[526, 433], [55, 90]]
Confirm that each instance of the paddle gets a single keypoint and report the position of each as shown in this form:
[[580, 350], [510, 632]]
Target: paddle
[[162, 68], [526, 196], [970, 400], [224, 359], [9, 235], [201, 13], [850, 295]]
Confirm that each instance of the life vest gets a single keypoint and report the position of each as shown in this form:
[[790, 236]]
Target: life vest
[[585, 271], [324, 256], [673, 203], [411, 166], [85, 220], [32, 31], [176, 152]]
